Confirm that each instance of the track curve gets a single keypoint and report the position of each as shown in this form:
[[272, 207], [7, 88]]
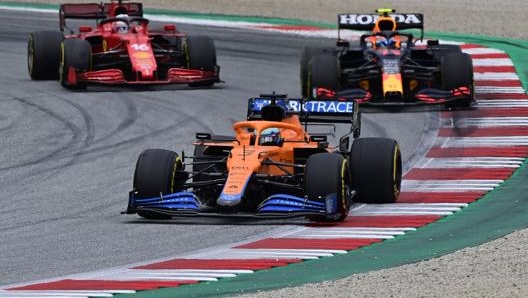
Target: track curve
[[68, 157]]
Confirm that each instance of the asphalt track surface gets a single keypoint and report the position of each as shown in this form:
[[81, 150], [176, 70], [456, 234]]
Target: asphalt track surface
[[68, 157]]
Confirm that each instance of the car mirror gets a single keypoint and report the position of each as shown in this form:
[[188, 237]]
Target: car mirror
[[432, 42], [318, 139], [342, 43], [344, 144], [203, 136], [169, 27], [85, 29]]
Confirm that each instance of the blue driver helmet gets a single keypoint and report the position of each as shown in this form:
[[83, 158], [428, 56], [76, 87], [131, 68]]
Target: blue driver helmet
[[120, 27], [270, 137], [387, 42]]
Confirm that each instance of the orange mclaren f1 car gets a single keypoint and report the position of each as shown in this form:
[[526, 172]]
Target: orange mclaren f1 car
[[121, 49], [387, 66], [272, 167]]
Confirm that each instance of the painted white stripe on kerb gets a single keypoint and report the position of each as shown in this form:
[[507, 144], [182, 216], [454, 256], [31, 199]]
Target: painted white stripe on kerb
[[492, 62], [350, 233], [443, 42], [209, 272], [474, 51], [493, 89], [46, 295], [242, 253], [448, 185], [506, 103], [471, 162], [167, 275], [63, 294], [495, 76], [490, 122], [407, 209], [486, 141]]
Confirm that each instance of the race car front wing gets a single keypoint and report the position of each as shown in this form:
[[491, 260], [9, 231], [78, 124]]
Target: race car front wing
[[275, 206], [427, 96], [117, 77]]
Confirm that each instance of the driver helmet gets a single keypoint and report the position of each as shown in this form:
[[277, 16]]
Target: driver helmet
[[270, 137], [387, 42], [120, 27]]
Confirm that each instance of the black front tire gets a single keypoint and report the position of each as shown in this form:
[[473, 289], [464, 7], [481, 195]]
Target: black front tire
[[75, 53], [43, 55], [457, 71], [323, 72], [325, 174], [376, 167], [201, 54], [156, 173]]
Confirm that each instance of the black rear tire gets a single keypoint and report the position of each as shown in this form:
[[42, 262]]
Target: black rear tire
[[43, 55], [155, 174], [201, 54], [323, 72], [328, 173], [376, 170], [306, 56], [75, 53], [442, 50], [457, 71]]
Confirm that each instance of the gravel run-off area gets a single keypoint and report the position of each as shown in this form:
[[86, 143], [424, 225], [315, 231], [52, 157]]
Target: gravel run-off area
[[494, 269]]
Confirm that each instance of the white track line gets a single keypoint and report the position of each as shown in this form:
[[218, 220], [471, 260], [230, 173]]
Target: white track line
[[470, 162]]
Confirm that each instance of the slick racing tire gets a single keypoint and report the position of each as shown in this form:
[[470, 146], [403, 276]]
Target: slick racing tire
[[457, 71], [444, 49], [326, 174], [376, 170], [43, 55], [77, 54], [323, 72], [200, 54], [155, 174], [306, 56]]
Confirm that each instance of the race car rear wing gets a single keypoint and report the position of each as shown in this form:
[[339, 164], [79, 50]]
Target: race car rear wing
[[366, 22], [274, 107], [321, 111], [97, 11]]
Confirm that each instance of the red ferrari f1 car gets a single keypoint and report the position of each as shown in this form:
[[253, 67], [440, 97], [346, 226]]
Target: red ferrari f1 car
[[386, 66], [120, 50]]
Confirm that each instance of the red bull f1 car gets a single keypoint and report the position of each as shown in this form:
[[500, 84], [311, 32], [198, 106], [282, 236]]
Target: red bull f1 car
[[121, 49], [387, 66], [272, 167]]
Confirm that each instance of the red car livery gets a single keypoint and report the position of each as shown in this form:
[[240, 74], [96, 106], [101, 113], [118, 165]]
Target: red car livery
[[121, 49]]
